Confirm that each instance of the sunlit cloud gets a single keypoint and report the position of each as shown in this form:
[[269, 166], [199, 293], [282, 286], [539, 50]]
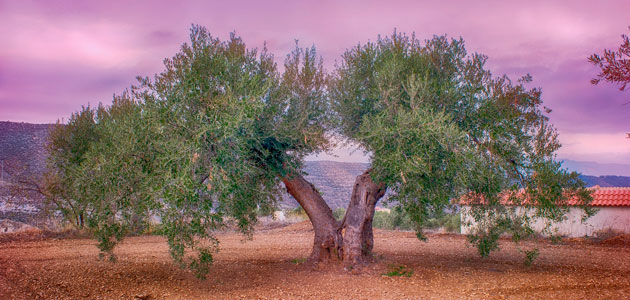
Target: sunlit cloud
[[105, 45], [602, 147]]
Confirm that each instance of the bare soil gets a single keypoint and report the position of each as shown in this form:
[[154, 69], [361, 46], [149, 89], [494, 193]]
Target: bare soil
[[271, 266]]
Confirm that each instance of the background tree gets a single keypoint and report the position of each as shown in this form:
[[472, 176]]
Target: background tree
[[614, 65], [67, 147]]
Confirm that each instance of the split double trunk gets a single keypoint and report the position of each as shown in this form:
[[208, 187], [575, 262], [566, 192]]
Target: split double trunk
[[350, 240]]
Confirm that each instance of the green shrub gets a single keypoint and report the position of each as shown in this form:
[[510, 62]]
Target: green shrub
[[382, 220], [450, 222], [338, 213], [453, 222], [530, 256], [400, 220], [297, 213], [396, 219]]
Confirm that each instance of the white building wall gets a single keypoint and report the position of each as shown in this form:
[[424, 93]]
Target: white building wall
[[607, 218]]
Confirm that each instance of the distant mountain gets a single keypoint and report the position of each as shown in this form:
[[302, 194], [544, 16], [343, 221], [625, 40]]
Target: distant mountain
[[606, 181], [597, 169]]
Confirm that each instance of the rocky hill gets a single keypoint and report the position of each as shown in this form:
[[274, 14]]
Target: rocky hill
[[22, 148], [22, 155], [333, 179]]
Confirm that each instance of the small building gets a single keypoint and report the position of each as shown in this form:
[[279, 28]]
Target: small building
[[613, 214]]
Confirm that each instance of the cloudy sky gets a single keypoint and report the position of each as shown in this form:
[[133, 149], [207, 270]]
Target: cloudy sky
[[56, 56]]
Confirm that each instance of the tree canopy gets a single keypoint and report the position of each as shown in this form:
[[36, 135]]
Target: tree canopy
[[212, 137], [206, 139], [438, 127]]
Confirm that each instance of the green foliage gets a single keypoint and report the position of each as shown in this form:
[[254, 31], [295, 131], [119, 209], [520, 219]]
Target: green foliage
[[439, 127], [297, 212], [555, 239], [398, 271], [512, 221], [67, 147], [211, 136], [450, 222], [395, 219], [208, 138], [486, 241], [530, 256]]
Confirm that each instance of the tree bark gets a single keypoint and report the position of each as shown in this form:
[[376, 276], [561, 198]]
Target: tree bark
[[358, 239], [327, 241], [354, 245]]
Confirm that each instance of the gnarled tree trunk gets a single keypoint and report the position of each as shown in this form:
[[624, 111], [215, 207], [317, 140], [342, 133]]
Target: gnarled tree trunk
[[356, 244], [358, 239], [327, 242]]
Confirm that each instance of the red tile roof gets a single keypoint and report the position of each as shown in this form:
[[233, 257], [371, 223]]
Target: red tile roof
[[602, 196], [611, 196]]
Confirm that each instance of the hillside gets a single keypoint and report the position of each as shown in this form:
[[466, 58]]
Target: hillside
[[606, 181], [333, 179], [22, 148]]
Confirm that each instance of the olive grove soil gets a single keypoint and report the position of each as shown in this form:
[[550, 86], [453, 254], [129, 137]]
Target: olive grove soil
[[272, 266]]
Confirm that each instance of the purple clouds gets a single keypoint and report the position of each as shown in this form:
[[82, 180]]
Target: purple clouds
[[58, 55]]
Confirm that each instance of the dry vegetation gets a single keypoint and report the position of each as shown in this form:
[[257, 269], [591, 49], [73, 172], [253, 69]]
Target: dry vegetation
[[271, 266]]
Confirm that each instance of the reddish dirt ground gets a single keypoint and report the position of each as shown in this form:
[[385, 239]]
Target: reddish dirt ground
[[270, 267]]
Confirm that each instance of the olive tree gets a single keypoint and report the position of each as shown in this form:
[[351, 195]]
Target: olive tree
[[216, 135]]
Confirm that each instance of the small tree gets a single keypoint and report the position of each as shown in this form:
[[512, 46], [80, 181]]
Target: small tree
[[67, 147]]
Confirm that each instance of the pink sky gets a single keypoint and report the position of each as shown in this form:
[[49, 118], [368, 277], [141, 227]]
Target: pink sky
[[56, 56]]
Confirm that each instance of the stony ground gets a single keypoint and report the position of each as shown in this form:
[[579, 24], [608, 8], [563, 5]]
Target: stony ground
[[271, 267]]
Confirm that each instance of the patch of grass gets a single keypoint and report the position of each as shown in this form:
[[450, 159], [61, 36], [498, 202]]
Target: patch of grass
[[298, 261], [555, 239], [398, 271]]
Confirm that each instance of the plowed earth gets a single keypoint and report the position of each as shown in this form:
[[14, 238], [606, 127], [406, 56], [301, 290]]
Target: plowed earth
[[271, 267]]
